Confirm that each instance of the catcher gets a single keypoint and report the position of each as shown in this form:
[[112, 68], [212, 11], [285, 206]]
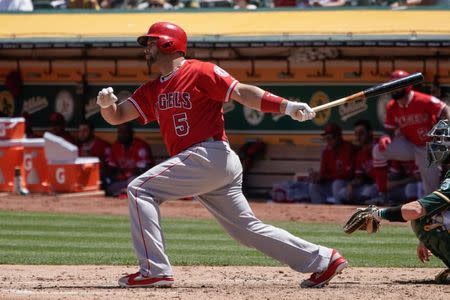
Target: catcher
[[429, 216]]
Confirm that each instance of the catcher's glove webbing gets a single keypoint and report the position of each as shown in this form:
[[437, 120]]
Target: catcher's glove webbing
[[363, 219]]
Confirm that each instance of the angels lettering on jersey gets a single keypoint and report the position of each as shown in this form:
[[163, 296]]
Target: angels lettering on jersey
[[174, 100], [188, 104]]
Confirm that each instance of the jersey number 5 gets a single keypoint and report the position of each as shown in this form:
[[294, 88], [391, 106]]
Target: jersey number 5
[[181, 124]]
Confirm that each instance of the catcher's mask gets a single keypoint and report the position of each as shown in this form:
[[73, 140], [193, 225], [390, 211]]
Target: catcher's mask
[[437, 148]]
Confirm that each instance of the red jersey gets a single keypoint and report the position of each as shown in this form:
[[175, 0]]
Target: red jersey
[[364, 161], [97, 147], [129, 160], [416, 118], [337, 163], [187, 104]]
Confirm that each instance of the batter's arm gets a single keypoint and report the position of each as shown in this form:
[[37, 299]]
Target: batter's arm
[[119, 113], [250, 95]]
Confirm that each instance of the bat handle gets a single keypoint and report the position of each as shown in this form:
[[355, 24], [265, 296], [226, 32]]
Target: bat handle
[[356, 96]]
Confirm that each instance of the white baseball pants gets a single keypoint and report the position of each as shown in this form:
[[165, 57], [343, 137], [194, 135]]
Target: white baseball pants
[[212, 172]]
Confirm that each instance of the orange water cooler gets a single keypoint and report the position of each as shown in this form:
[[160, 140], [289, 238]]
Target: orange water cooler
[[81, 175], [12, 128], [68, 173], [11, 156], [35, 166]]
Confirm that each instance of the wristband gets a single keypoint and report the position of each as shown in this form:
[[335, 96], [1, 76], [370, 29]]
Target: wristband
[[271, 103], [392, 214]]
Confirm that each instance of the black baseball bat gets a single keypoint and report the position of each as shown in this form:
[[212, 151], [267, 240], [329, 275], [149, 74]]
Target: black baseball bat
[[379, 89]]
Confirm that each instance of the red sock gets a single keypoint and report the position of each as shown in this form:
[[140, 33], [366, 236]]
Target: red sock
[[381, 174]]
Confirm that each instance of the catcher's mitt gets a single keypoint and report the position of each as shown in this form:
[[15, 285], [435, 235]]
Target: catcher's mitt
[[363, 219]]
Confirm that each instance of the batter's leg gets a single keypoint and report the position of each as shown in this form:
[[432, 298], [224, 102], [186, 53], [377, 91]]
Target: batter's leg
[[195, 171], [233, 212]]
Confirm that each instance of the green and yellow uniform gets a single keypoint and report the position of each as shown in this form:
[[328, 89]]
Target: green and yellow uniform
[[433, 229]]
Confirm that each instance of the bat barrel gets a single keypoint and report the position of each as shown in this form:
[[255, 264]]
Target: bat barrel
[[393, 85], [377, 90]]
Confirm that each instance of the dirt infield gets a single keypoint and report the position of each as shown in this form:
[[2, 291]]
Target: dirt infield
[[100, 282]]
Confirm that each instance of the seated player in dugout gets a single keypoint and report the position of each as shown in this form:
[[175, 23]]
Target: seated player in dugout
[[430, 215], [187, 102], [336, 168], [409, 116], [362, 187], [130, 157], [91, 145], [58, 127]]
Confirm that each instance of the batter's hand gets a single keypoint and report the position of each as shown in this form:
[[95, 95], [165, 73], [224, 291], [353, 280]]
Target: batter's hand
[[106, 97], [383, 142], [299, 111]]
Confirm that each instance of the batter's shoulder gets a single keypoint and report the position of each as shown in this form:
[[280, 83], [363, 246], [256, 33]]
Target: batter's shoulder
[[148, 86]]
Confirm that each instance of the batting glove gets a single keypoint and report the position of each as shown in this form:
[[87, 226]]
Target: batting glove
[[383, 142], [299, 111], [106, 97]]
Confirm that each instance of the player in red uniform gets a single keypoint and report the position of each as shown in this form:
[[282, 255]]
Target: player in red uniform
[[130, 157], [412, 115], [362, 187], [336, 168], [187, 102], [91, 145]]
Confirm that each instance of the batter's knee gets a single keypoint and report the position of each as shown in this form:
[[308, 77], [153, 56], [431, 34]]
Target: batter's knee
[[133, 187]]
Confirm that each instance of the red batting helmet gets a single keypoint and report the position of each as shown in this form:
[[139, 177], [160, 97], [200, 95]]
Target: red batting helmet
[[171, 37], [397, 74]]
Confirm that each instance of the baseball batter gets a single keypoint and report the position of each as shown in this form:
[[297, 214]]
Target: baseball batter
[[187, 102], [412, 114]]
